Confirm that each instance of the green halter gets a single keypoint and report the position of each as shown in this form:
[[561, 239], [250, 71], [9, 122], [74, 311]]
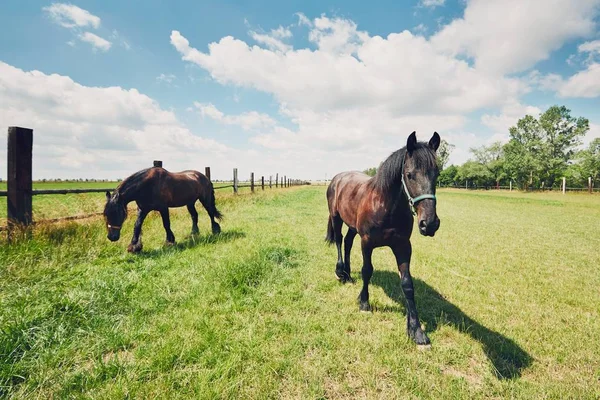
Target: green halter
[[412, 201]]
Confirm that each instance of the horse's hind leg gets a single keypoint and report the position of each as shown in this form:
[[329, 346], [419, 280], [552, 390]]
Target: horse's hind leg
[[348, 241], [164, 213], [337, 234], [192, 209]]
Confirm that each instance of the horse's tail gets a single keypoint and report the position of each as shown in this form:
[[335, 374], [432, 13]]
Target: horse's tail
[[330, 238], [213, 204]]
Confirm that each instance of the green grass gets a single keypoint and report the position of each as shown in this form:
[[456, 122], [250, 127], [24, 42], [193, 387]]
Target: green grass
[[507, 291]]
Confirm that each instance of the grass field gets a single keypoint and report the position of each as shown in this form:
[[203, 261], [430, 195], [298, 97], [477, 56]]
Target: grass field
[[507, 291]]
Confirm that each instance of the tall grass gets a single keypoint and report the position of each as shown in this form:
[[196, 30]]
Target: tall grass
[[507, 291]]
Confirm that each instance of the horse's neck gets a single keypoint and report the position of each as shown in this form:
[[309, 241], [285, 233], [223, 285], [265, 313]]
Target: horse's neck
[[127, 192], [395, 200]]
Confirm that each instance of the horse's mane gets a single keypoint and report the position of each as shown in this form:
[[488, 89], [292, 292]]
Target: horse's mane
[[132, 181], [389, 172]]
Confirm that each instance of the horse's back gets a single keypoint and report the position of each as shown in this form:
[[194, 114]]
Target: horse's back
[[181, 188], [345, 193]]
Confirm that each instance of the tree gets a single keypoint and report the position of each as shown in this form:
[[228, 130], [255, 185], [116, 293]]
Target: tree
[[562, 133], [589, 160], [492, 157], [476, 173], [370, 171], [448, 176], [443, 153], [539, 150]]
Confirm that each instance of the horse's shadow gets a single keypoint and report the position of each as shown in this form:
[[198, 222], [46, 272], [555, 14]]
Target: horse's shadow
[[507, 357], [194, 240]]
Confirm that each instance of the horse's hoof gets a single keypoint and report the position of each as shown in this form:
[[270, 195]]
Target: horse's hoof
[[419, 337], [216, 229], [169, 244], [365, 307], [424, 347], [134, 248]]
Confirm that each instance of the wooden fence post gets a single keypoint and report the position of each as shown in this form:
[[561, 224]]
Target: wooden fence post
[[252, 182], [276, 180], [270, 181], [590, 189], [285, 182], [510, 186], [564, 185], [235, 181], [207, 172], [157, 163], [262, 182], [19, 157]]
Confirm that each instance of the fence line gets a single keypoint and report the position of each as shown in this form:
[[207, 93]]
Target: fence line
[[20, 190]]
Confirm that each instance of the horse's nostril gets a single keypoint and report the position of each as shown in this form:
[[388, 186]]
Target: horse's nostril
[[422, 224]]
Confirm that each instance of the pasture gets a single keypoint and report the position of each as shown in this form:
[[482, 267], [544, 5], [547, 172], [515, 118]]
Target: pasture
[[507, 291]]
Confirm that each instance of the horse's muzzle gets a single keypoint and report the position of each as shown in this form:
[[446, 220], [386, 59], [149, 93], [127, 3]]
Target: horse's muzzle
[[429, 228], [113, 237]]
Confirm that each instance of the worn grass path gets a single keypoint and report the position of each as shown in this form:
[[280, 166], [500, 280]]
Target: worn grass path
[[507, 291]]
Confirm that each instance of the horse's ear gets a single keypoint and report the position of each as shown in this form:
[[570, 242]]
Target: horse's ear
[[411, 143], [434, 142], [107, 195]]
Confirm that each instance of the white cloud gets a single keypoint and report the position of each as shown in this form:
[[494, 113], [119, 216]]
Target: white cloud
[[167, 78], [247, 120], [583, 84], [511, 113], [350, 69], [355, 94], [421, 28], [96, 41], [102, 132], [273, 40], [431, 3], [506, 36], [70, 16]]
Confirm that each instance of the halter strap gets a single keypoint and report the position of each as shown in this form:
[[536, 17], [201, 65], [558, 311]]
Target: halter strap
[[412, 201], [113, 226]]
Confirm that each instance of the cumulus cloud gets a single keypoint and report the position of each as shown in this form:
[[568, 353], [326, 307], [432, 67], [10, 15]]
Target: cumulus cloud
[[247, 120], [70, 16], [583, 84], [102, 132], [354, 92], [507, 36], [96, 41]]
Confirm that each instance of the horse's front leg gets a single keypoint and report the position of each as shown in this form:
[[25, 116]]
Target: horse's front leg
[[403, 252], [164, 213], [136, 241], [367, 272]]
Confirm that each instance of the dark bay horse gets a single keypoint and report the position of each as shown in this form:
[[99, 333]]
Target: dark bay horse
[[158, 189], [380, 210]]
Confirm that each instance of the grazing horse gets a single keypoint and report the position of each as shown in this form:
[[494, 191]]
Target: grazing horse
[[380, 210], [158, 189]]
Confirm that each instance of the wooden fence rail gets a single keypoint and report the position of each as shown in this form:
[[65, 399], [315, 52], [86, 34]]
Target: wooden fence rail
[[19, 191]]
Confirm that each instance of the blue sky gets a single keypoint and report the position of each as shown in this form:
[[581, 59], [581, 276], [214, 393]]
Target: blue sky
[[306, 89]]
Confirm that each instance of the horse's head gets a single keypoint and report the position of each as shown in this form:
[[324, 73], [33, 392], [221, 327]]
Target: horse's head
[[115, 212], [419, 179]]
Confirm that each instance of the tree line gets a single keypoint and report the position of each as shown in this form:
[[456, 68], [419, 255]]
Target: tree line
[[539, 152]]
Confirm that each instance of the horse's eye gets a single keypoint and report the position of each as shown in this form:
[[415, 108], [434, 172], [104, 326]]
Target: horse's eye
[[409, 175]]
